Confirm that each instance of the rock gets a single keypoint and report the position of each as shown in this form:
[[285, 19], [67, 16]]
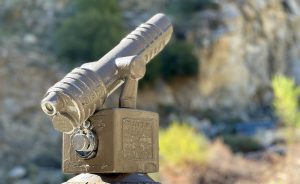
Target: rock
[[24, 77], [88, 178], [48, 176], [23, 181], [172, 117], [225, 76], [250, 128], [30, 39], [240, 46], [280, 150], [194, 122], [17, 172], [201, 125], [291, 6], [267, 137], [166, 97]]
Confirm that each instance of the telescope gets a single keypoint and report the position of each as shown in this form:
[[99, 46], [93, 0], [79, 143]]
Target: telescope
[[116, 140]]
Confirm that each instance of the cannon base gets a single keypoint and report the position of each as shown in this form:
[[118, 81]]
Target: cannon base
[[127, 143], [133, 178]]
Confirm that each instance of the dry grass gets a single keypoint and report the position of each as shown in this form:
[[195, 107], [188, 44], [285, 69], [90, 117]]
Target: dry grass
[[224, 167]]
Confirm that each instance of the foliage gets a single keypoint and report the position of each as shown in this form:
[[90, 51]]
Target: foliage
[[242, 143], [91, 31], [190, 6], [180, 144], [93, 27], [286, 95], [176, 59], [13, 16]]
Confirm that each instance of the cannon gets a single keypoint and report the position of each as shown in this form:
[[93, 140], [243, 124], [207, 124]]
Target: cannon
[[115, 140]]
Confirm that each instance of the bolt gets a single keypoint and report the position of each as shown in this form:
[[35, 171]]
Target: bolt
[[87, 124]]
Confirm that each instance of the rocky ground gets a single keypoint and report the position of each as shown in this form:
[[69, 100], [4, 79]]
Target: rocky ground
[[224, 167], [29, 145], [30, 148]]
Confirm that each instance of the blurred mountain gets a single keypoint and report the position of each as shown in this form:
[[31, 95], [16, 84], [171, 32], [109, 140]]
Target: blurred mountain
[[239, 46]]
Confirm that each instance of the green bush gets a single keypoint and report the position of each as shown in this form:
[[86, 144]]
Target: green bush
[[242, 143], [94, 27], [286, 104], [92, 30], [180, 144], [176, 59], [189, 6], [286, 95]]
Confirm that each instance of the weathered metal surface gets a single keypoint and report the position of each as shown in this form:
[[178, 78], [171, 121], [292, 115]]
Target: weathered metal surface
[[110, 141], [127, 143], [71, 101]]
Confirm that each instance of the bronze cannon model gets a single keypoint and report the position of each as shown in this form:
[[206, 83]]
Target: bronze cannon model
[[116, 140]]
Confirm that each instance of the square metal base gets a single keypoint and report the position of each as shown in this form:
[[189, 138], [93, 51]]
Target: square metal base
[[127, 143]]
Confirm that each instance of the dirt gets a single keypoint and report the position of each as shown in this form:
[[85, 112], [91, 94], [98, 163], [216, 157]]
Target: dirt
[[225, 167]]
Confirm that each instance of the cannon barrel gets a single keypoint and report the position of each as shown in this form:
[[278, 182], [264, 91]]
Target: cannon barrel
[[71, 101]]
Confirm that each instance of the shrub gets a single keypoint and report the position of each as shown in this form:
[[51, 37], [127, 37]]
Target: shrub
[[286, 95], [176, 59], [180, 144], [242, 143], [189, 6], [92, 30], [94, 27]]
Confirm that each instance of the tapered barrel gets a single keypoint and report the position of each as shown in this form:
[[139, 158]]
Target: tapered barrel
[[76, 97]]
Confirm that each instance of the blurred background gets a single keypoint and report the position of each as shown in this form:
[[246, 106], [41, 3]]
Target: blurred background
[[226, 86]]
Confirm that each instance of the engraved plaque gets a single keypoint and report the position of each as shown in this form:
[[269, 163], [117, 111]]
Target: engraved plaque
[[127, 142], [137, 138]]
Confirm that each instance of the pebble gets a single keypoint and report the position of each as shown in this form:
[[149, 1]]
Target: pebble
[[17, 172]]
